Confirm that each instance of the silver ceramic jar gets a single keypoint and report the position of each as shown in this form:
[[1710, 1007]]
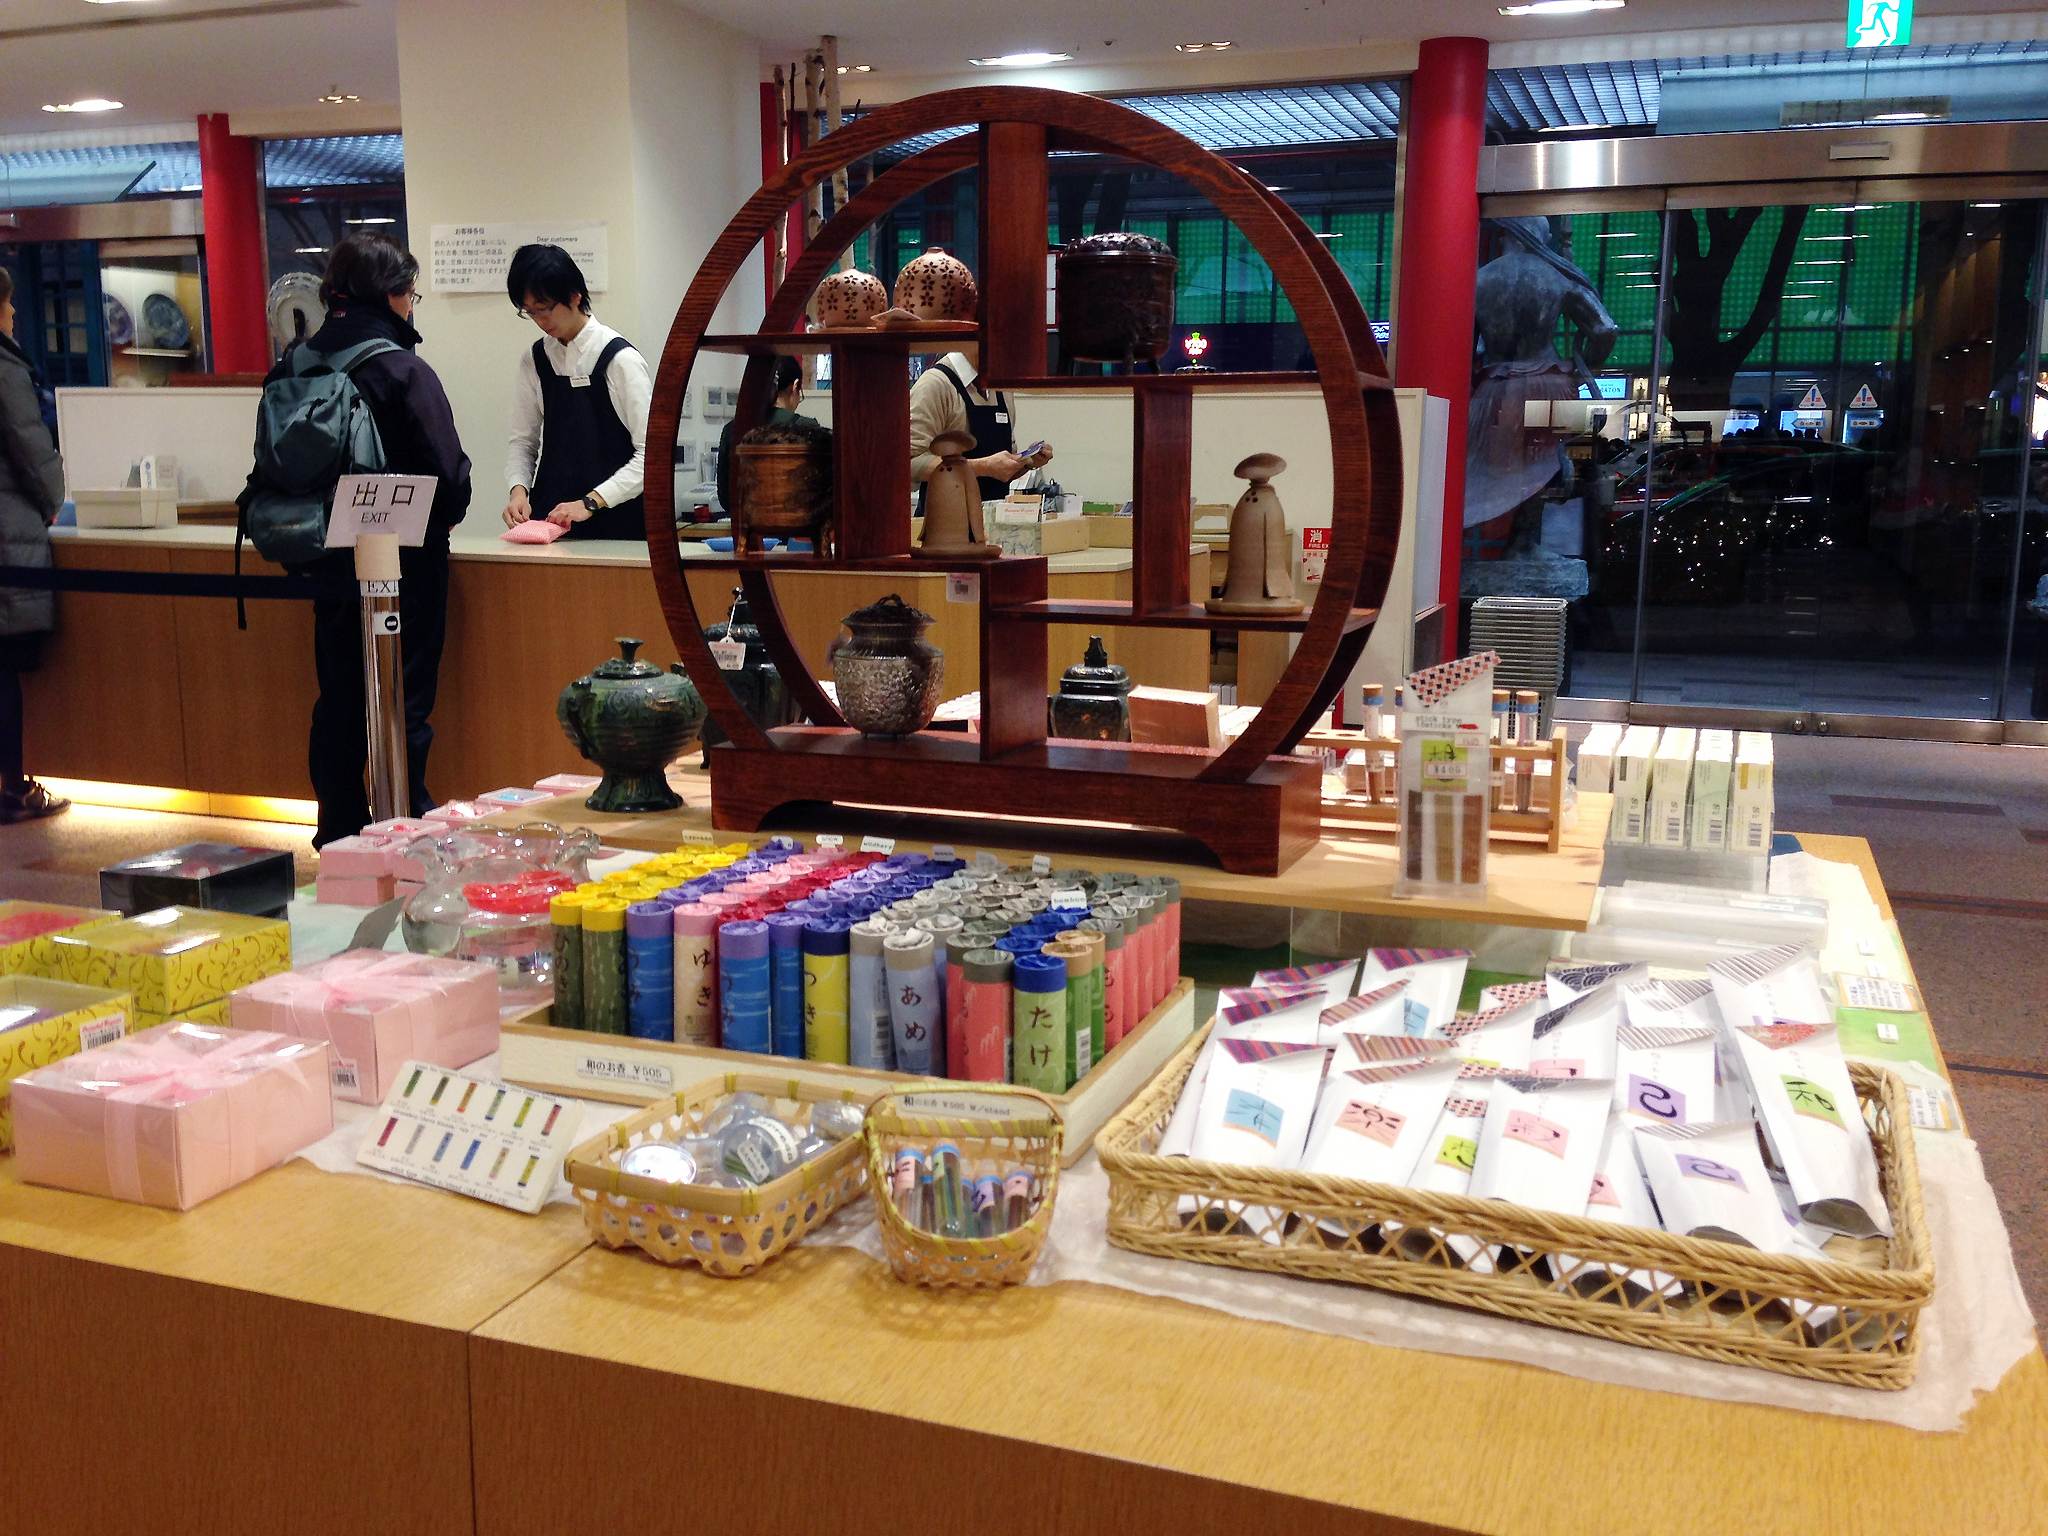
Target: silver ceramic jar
[[888, 675]]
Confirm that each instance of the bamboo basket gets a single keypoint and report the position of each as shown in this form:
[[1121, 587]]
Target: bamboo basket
[[1826, 1320], [730, 1232], [996, 1128]]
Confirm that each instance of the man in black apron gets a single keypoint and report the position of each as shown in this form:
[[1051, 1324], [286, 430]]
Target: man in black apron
[[579, 412], [948, 397]]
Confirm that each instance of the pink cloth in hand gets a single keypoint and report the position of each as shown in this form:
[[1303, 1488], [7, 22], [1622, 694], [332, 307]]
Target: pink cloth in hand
[[535, 530]]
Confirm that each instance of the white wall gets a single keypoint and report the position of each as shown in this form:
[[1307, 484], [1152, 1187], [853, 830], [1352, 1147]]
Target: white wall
[[635, 112]]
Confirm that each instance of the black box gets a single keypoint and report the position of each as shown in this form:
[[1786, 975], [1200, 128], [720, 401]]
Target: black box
[[221, 877]]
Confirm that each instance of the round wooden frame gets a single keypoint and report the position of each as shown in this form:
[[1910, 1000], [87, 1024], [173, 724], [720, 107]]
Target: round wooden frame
[[1364, 432]]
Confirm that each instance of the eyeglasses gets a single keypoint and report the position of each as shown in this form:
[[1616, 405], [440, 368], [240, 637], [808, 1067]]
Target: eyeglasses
[[536, 312]]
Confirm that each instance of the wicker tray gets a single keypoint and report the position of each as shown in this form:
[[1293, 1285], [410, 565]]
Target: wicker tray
[[1737, 1305], [993, 1125], [730, 1232]]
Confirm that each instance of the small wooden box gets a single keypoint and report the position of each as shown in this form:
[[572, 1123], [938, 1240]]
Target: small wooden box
[[1176, 717]]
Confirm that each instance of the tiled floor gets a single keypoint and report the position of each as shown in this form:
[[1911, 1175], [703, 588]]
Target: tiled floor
[[1971, 891]]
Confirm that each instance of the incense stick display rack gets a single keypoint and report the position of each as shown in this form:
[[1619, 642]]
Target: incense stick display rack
[[1547, 822]]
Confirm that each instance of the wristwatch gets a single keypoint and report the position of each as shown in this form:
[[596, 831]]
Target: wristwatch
[[592, 504]]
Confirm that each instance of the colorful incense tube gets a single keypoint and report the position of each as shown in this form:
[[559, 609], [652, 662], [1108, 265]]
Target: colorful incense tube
[[1098, 987], [1166, 891], [565, 912], [869, 1040], [786, 983], [986, 1012], [914, 1015], [1038, 1022], [826, 948], [650, 971], [695, 927], [744, 988], [604, 965], [1116, 1019], [1079, 959]]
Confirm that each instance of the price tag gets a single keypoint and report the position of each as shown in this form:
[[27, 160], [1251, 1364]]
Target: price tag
[[883, 845], [1928, 1109], [730, 655], [1888, 1033], [1040, 864], [831, 840], [943, 853], [963, 588], [696, 837], [1071, 897], [98, 1032], [1875, 992], [632, 1074], [1866, 946], [341, 1072]]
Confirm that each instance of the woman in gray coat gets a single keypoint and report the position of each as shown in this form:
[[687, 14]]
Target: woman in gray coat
[[31, 490]]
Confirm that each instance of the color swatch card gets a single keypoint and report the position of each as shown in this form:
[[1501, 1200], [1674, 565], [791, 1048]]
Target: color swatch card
[[472, 1136]]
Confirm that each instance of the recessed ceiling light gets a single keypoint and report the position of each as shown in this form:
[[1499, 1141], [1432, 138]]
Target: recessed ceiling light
[[336, 97], [1619, 234], [1568, 127], [855, 69], [1336, 236], [1651, 286], [1834, 238], [1832, 261], [1987, 205], [1851, 208], [298, 250], [83, 104], [1561, 7], [1020, 60], [1902, 117], [1201, 47], [369, 221]]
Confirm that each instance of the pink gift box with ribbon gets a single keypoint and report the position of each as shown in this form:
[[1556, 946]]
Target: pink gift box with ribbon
[[173, 1115], [379, 1011], [356, 858]]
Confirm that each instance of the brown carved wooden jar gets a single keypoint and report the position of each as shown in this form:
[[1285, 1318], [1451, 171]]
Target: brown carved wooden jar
[[782, 485], [1115, 298]]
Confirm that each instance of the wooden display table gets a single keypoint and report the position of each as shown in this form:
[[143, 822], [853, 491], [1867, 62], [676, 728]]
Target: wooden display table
[[318, 1354], [1351, 870]]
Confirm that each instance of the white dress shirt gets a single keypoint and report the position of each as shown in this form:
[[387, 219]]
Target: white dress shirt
[[628, 383], [936, 409]]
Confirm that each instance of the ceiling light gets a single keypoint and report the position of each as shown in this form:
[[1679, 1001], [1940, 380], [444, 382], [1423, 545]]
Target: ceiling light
[[299, 250], [1201, 47], [1337, 236], [855, 69], [1569, 127], [1834, 238], [84, 104], [369, 221], [1901, 117], [1987, 205], [1651, 286], [1851, 208], [1831, 261], [1561, 7], [1021, 60], [337, 97], [1619, 234]]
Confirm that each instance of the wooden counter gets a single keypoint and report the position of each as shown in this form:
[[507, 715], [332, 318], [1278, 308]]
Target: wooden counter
[[165, 691], [319, 1354]]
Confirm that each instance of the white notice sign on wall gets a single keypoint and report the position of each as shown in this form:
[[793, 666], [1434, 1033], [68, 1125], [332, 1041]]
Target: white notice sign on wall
[[473, 258]]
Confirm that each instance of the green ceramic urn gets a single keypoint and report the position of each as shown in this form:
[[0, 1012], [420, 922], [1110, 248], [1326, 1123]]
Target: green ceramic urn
[[632, 719]]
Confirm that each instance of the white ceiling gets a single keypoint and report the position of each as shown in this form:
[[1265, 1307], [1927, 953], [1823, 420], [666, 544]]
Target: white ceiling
[[265, 61]]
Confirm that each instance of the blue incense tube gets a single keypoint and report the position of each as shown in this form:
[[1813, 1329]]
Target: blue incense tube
[[743, 982], [650, 971], [786, 982]]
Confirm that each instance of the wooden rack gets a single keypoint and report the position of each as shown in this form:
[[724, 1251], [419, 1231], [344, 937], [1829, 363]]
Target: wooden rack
[[1256, 808], [1548, 823]]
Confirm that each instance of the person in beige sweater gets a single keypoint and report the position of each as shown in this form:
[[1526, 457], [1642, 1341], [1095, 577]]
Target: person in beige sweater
[[948, 397]]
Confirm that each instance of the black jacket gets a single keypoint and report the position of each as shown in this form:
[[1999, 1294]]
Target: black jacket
[[408, 404]]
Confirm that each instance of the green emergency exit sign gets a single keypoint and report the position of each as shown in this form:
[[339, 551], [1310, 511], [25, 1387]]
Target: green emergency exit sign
[[1880, 23]]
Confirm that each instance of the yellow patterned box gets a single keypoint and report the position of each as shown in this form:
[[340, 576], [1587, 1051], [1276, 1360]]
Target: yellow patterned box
[[44, 1021], [215, 1012], [175, 958], [26, 928]]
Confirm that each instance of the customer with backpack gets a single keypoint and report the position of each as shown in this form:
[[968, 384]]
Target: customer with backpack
[[31, 490], [369, 288]]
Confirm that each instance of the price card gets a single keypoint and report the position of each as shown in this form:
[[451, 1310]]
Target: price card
[[1040, 864], [1876, 992], [1929, 1109], [882, 845], [1071, 897], [1888, 1033], [473, 1136], [730, 655], [1446, 764], [697, 837], [963, 588], [942, 853], [831, 840]]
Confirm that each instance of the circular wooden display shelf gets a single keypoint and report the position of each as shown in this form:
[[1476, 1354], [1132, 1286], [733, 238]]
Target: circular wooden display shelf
[[1275, 798]]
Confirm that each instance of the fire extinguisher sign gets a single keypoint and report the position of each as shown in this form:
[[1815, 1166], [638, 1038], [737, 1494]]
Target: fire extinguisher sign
[[1315, 553]]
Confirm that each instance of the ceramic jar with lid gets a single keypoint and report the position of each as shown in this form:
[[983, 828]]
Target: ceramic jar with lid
[[782, 485], [937, 286], [850, 299], [632, 719], [888, 676], [1115, 298], [1093, 703]]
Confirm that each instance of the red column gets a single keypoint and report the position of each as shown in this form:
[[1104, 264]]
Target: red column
[[1440, 262], [233, 210], [771, 162]]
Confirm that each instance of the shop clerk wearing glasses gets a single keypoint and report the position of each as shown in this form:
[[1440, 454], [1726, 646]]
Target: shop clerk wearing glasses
[[579, 408]]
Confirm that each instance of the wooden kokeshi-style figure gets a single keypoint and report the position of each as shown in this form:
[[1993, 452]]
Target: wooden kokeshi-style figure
[[1260, 578]]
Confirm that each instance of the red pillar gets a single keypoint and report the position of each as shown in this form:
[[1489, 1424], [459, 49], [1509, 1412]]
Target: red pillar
[[771, 162], [232, 206], [1440, 262]]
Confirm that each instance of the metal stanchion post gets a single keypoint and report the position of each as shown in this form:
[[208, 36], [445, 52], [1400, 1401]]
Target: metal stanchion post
[[383, 680]]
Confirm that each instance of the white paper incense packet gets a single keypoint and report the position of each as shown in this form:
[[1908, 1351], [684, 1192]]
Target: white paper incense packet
[[1255, 1113], [1371, 1123], [1709, 1182], [1500, 1038], [1664, 1076], [1576, 1038], [1380, 1013], [1335, 977], [1435, 977], [1810, 1115], [1562, 983], [1540, 1143], [1620, 1196], [1445, 1167], [1781, 984]]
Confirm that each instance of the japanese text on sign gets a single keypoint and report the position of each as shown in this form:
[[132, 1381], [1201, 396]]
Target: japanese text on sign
[[474, 258]]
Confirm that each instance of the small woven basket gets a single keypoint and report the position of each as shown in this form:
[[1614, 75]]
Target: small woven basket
[[997, 1129], [1826, 1320], [730, 1232]]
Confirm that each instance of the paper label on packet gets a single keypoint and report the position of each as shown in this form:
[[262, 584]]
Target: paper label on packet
[[1248, 1112], [882, 845], [1694, 1167], [1372, 1121], [1458, 1152], [98, 1032], [1544, 1135], [341, 1072], [1809, 1098]]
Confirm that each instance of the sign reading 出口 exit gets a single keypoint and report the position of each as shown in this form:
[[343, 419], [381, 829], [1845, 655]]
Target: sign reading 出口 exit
[[1880, 23]]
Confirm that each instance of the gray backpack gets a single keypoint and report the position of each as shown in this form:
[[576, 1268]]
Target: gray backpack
[[312, 427]]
